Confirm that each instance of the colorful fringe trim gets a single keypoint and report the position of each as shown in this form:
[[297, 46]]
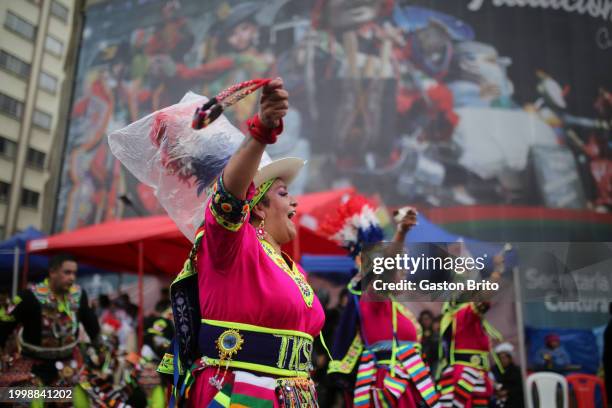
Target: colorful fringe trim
[[366, 376], [463, 386], [296, 393], [252, 391], [419, 373], [410, 368]]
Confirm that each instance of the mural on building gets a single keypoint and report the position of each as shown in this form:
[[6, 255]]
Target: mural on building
[[428, 102]]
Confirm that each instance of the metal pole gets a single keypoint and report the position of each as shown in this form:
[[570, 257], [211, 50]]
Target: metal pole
[[140, 295], [15, 272], [24, 270], [518, 296]]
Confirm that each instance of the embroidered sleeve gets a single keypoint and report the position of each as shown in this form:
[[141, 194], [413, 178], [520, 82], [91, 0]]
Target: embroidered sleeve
[[229, 211]]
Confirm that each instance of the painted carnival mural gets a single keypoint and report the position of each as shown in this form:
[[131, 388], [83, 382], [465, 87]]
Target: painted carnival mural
[[438, 103]]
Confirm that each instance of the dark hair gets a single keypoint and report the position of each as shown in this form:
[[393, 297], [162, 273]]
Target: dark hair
[[424, 313], [132, 310], [265, 200], [59, 259], [104, 301], [162, 305]]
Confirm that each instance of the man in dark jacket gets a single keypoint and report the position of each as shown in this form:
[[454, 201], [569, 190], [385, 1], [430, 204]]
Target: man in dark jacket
[[49, 314], [509, 384]]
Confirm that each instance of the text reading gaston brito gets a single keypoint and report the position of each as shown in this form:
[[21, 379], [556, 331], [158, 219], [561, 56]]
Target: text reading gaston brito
[[412, 264]]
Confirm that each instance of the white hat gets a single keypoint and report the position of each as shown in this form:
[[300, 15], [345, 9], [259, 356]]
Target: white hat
[[505, 348], [286, 169]]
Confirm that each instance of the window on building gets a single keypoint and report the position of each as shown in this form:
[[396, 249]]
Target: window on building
[[54, 46], [42, 120], [20, 26], [14, 64], [59, 10], [47, 82], [11, 106], [29, 198], [5, 191], [35, 158], [8, 148]]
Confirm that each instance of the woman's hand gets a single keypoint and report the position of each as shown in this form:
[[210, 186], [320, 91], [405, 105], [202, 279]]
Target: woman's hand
[[242, 166], [407, 219], [273, 104]]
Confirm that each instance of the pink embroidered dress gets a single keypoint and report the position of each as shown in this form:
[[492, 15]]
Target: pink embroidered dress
[[402, 380], [246, 286]]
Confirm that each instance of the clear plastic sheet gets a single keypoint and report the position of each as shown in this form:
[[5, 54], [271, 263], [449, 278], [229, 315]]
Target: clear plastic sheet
[[178, 162]]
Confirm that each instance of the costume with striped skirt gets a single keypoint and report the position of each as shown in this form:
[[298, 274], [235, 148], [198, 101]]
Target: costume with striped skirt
[[464, 382], [392, 373]]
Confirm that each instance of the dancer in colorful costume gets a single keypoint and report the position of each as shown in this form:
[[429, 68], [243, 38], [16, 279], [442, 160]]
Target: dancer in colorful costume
[[386, 335], [466, 343], [50, 313], [110, 377], [159, 331], [244, 313]]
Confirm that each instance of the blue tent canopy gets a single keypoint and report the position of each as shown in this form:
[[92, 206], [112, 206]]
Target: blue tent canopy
[[336, 268], [428, 232], [20, 239], [37, 264]]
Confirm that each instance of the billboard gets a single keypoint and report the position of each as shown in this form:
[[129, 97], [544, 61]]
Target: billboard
[[435, 103]]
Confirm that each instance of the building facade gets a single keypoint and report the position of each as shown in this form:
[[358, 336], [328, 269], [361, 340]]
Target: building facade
[[37, 45]]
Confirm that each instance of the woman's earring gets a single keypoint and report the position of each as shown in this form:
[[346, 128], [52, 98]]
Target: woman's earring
[[260, 230]]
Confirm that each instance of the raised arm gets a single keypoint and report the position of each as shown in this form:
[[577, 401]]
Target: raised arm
[[242, 166], [407, 220]]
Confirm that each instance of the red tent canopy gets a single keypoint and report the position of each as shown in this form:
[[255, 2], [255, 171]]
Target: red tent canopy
[[318, 205], [115, 245]]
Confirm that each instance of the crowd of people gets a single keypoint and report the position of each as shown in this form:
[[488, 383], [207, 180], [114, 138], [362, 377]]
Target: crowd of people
[[237, 327], [66, 340]]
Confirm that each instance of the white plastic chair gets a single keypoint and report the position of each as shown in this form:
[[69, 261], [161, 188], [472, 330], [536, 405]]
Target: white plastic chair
[[546, 384]]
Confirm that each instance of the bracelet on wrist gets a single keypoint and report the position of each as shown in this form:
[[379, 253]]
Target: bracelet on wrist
[[263, 133]]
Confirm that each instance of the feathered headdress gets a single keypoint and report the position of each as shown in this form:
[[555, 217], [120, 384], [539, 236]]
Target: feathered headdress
[[354, 224]]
